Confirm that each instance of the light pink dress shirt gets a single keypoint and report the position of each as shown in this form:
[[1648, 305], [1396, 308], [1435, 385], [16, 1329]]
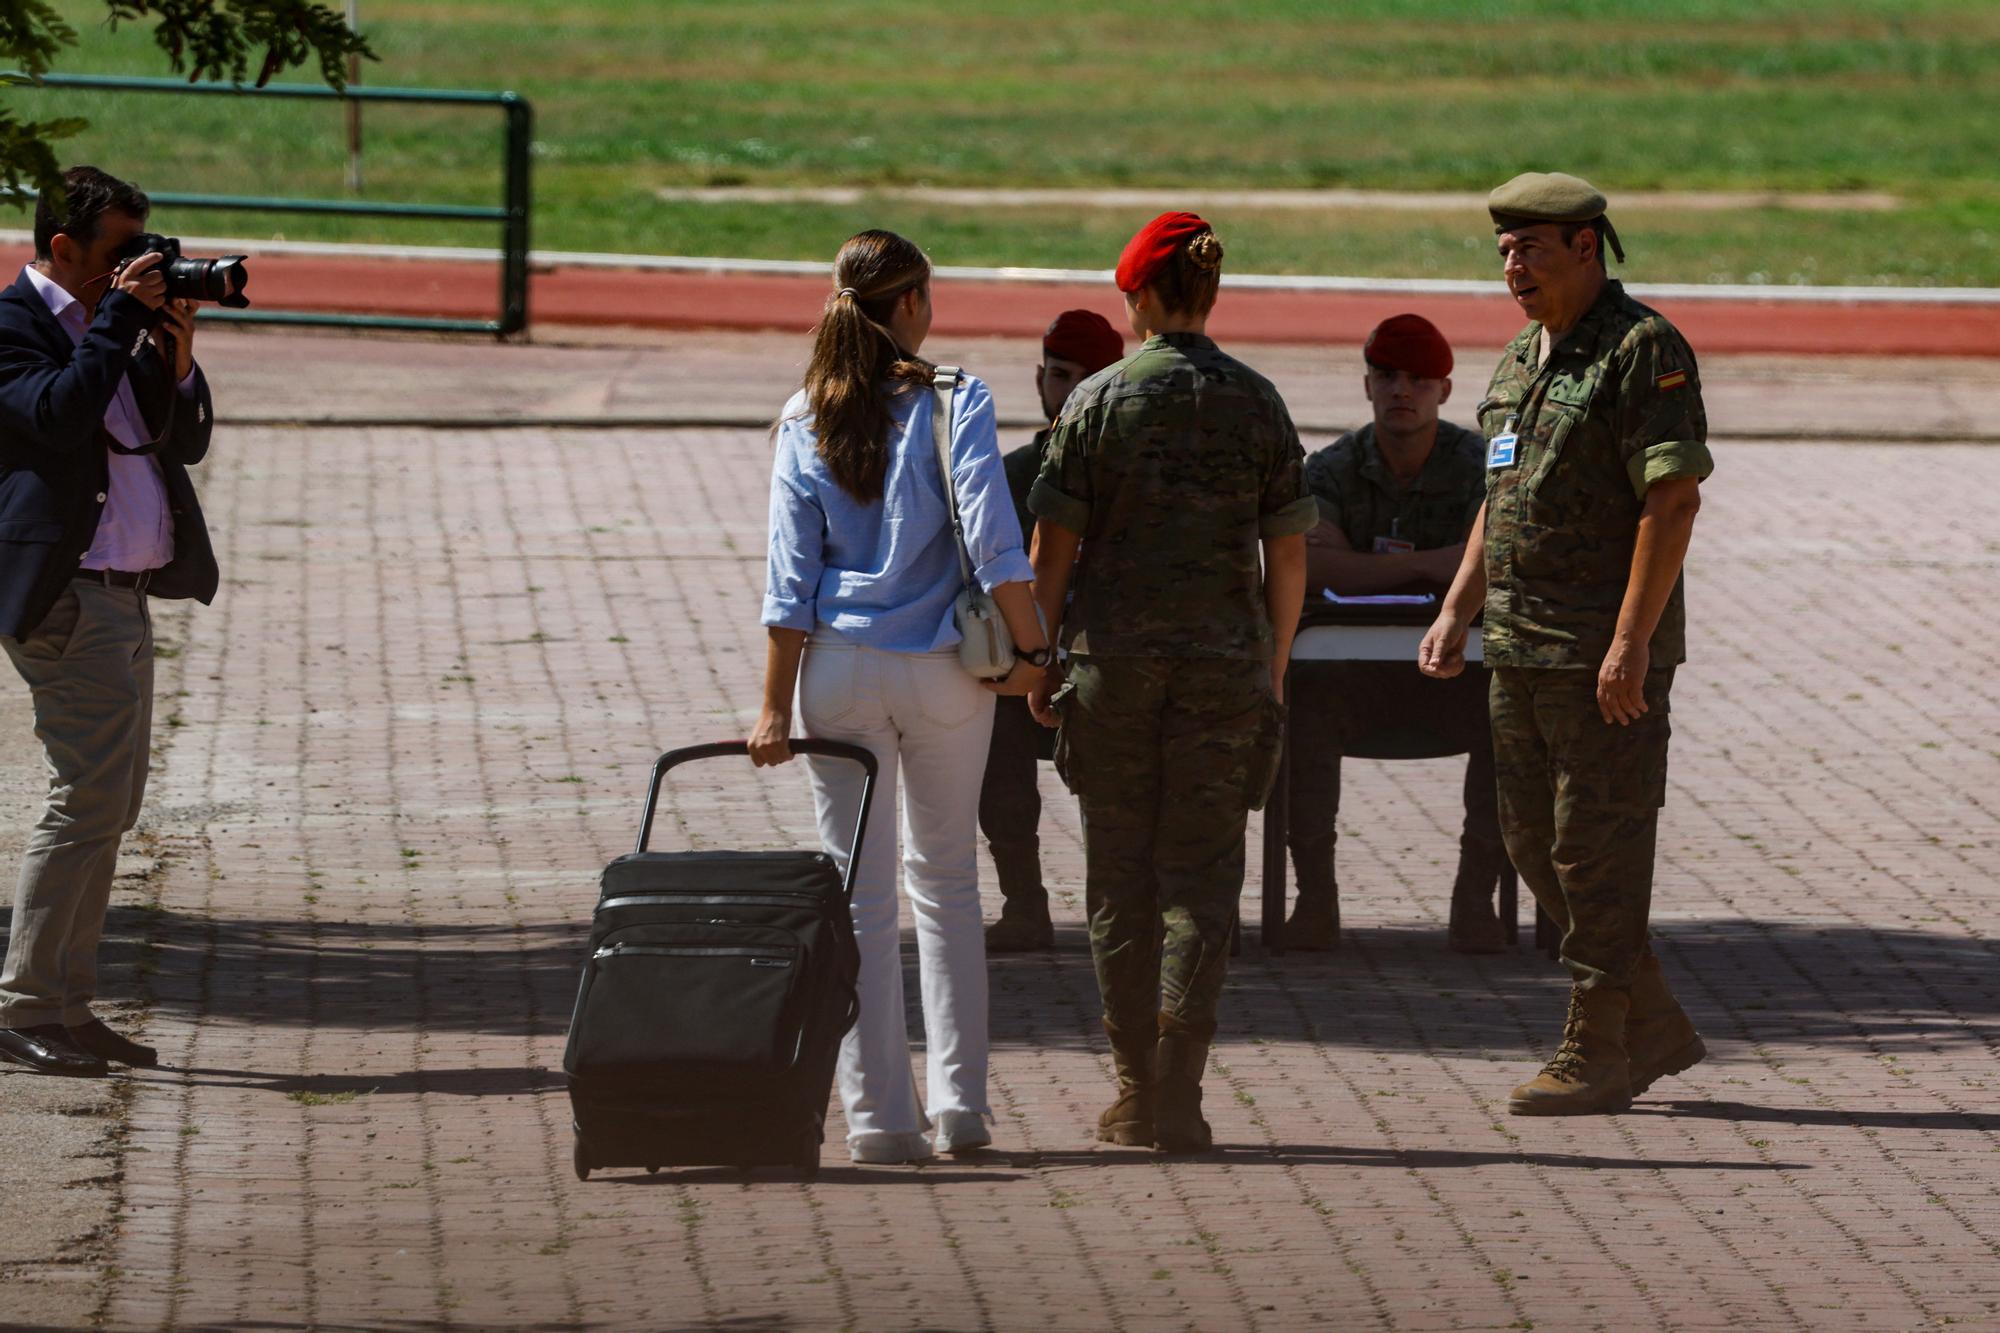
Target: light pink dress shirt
[[136, 529]]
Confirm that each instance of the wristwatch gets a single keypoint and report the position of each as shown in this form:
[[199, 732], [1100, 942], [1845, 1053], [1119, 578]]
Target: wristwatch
[[1040, 657]]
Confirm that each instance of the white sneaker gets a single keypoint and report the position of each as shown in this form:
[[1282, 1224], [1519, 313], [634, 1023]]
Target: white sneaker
[[962, 1131], [887, 1149]]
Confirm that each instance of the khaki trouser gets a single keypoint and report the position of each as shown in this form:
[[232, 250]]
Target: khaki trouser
[[89, 666]]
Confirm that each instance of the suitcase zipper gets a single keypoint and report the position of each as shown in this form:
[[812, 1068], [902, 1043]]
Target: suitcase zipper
[[758, 957], [707, 900]]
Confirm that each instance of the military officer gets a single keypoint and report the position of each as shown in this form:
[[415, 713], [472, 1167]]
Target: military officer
[[1078, 344], [1179, 471], [1597, 445], [1396, 499]]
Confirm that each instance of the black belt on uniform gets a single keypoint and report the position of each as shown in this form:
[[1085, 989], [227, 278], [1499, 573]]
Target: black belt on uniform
[[117, 578]]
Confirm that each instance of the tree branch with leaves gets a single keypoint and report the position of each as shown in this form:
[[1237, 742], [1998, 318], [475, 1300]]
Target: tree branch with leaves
[[207, 40]]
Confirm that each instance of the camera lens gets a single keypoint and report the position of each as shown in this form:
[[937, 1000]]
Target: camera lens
[[226, 279], [219, 280]]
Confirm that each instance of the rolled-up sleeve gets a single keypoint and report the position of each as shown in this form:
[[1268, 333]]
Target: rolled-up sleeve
[[985, 505], [1061, 493], [1286, 508], [796, 558], [1661, 421]]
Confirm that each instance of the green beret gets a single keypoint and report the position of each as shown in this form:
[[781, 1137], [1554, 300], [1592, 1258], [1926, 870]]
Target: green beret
[[1549, 196]]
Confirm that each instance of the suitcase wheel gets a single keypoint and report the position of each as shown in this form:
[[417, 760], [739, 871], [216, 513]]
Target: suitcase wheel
[[579, 1160], [652, 1170]]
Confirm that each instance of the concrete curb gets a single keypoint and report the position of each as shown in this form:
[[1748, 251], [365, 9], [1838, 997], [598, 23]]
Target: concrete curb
[[745, 421], [1273, 282]]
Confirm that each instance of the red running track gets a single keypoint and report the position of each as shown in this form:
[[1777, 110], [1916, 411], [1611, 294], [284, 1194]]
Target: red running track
[[662, 300]]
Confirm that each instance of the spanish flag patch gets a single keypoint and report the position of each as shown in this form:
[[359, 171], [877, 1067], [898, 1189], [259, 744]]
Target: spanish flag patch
[[1673, 379]]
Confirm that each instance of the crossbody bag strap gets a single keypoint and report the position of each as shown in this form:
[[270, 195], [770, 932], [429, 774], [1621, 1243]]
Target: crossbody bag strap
[[944, 388]]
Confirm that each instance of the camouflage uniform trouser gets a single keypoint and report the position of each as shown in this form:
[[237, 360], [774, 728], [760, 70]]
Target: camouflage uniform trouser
[[1010, 804], [1167, 756], [1580, 806]]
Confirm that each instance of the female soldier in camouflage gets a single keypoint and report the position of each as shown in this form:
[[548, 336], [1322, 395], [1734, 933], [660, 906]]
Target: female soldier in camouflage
[[1171, 468]]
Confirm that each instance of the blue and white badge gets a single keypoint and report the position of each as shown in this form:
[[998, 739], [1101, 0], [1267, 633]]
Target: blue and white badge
[[1500, 451]]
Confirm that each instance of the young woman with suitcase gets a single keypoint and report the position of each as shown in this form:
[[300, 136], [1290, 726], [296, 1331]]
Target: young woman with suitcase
[[864, 573]]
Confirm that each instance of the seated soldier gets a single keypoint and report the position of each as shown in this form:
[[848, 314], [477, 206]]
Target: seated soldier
[[1397, 499], [1078, 345]]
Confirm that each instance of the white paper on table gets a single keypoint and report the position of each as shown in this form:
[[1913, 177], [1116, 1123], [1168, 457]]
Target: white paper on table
[[1382, 599]]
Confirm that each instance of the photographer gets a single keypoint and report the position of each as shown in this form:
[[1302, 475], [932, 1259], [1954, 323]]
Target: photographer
[[102, 409]]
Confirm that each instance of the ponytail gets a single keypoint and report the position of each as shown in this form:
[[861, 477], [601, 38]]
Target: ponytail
[[854, 353]]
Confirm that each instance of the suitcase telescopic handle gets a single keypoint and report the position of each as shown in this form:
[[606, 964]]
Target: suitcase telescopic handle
[[800, 745]]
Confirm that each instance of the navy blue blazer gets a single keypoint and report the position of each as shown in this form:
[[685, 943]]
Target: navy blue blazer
[[53, 447]]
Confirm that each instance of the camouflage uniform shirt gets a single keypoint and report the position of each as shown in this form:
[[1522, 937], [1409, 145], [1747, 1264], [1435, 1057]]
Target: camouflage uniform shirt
[[1172, 465], [1358, 494], [1021, 466], [1616, 407]]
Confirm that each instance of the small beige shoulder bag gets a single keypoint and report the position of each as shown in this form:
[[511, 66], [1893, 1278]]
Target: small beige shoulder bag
[[985, 648]]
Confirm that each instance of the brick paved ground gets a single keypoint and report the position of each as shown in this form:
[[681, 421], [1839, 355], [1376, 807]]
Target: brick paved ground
[[417, 721]]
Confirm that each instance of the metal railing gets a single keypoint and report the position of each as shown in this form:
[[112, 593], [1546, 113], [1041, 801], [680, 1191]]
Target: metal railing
[[511, 215]]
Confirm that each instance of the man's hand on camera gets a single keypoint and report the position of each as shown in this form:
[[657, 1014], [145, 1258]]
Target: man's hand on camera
[[141, 278], [178, 330]]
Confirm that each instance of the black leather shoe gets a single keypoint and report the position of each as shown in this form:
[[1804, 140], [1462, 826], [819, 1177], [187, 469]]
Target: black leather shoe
[[47, 1049], [96, 1039]]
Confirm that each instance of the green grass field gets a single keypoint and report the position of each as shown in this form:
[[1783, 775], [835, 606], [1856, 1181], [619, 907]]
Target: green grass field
[[1814, 95]]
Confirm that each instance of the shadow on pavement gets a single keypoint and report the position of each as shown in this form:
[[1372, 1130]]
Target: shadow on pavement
[[1982, 1122], [499, 1081], [1386, 987], [870, 1176], [1310, 1154]]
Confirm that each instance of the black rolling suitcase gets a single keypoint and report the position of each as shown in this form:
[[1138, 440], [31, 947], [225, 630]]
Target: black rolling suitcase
[[714, 999]]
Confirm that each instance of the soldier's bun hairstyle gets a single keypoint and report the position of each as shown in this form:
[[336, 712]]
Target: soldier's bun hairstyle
[[1187, 283], [856, 365]]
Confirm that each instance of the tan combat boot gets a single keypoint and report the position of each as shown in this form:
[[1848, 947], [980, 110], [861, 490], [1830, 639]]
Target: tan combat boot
[[1475, 927], [1129, 1120], [1178, 1062], [1659, 1037], [1315, 923], [1589, 1074]]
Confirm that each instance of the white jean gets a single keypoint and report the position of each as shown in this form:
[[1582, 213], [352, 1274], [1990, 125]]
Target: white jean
[[924, 713]]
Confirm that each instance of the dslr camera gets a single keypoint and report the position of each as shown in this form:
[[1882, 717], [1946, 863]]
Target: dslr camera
[[219, 280]]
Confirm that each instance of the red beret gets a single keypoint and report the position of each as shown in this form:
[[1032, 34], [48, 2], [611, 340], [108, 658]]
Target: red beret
[[1085, 337], [1153, 246], [1409, 343]]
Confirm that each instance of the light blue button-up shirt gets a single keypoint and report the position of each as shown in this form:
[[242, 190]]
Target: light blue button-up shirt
[[884, 574]]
